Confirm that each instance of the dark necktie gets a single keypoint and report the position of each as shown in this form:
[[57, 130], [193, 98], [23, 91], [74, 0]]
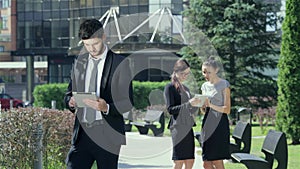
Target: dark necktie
[[91, 113]]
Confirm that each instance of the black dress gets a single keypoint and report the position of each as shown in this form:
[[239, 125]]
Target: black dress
[[216, 146], [181, 122], [215, 134]]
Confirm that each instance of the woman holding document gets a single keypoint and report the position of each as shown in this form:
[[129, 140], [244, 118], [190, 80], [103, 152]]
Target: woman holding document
[[215, 126], [181, 107]]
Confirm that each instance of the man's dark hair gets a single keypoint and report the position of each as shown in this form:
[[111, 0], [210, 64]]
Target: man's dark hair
[[90, 28]]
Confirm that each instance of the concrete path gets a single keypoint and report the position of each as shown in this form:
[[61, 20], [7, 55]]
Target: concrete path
[[143, 152]]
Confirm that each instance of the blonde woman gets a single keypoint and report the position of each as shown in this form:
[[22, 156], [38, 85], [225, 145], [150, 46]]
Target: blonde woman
[[215, 125]]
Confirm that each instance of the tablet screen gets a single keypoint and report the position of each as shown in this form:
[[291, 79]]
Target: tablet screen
[[202, 98], [79, 96]]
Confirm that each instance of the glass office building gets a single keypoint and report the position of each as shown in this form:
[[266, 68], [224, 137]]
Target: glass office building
[[48, 28]]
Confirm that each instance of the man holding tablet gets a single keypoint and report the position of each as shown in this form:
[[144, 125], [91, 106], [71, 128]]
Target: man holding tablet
[[99, 91]]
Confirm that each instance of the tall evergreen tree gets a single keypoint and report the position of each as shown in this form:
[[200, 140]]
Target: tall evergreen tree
[[237, 30], [288, 110]]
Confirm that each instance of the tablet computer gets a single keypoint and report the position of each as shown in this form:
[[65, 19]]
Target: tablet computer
[[80, 96], [202, 98]]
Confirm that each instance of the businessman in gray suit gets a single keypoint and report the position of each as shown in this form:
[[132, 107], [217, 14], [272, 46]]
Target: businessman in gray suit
[[99, 126]]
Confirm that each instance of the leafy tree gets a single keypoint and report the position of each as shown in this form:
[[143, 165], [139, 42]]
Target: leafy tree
[[288, 110], [237, 30]]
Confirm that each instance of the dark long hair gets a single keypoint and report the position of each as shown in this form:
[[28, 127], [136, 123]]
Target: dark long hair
[[179, 66]]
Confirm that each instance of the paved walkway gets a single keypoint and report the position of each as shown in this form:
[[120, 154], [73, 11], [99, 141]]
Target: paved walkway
[[143, 152]]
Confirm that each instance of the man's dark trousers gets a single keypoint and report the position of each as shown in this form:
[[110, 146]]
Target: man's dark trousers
[[85, 152]]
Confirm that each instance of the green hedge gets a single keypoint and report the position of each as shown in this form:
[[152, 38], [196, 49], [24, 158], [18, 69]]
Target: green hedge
[[44, 94], [142, 90]]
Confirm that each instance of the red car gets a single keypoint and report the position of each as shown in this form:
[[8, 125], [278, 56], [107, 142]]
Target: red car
[[5, 101]]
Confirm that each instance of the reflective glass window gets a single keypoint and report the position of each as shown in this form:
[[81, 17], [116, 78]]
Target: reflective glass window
[[64, 14], [37, 40], [75, 4], [133, 2], [82, 13], [46, 5], [64, 27], [143, 2], [55, 14], [20, 6], [28, 7], [98, 12], [90, 12], [106, 3], [21, 16], [89, 3], [82, 3], [75, 13], [55, 33], [143, 9], [97, 3], [37, 15], [123, 2], [55, 4], [123, 10], [20, 30], [28, 16], [46, 27], [115, 2], [64, 5], [46, 15], [133, 9], [37, 6]]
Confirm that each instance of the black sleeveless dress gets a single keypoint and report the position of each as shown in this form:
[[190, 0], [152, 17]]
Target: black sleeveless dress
[[215, 133]]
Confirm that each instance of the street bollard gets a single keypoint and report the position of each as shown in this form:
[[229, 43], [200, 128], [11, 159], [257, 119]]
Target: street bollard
[[11, 104], [38, 148], [53, 104]]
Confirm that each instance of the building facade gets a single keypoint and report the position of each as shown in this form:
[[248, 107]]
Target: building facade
[[48, 28], [5, 30], [13, 69]]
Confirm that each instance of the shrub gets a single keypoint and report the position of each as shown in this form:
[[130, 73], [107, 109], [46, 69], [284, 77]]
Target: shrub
[[287, 113], [44, 94], [142, 90], [18, 139]]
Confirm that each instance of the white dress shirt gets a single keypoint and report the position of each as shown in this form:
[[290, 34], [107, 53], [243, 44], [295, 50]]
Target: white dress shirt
[[99, 76]]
